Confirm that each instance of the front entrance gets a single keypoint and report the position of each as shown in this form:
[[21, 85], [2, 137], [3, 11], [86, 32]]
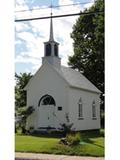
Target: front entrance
[[46, 112]]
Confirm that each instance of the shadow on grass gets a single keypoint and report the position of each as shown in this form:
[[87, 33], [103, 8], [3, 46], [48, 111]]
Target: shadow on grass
[[87, 140], [87, 135], [92, 133], [42, 135]]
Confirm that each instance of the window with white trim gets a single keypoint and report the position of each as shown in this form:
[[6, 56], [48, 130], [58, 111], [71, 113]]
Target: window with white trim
[[80, 109], [93, 110], [46, 100]]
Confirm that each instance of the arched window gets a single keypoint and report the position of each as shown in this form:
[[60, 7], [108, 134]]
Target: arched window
[[93, 110], [48, 49], [56, 50], [80, 109], [47, 100]]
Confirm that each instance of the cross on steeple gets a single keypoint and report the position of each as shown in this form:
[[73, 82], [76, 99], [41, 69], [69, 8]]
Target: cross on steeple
[[51, 47], [51, 26]]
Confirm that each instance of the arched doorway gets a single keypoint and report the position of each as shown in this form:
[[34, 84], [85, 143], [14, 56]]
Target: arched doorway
[[46, 109]]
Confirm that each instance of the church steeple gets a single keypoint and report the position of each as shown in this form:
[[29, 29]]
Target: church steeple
[[51, 48], [51, 29]]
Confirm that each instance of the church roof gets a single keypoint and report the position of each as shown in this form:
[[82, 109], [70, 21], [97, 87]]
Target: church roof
[[72, 77], [76, 79]]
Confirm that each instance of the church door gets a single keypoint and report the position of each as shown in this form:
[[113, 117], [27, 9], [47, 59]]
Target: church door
[[46, 112]]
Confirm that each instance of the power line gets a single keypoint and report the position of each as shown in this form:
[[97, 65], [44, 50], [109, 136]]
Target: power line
[[58, 6], [58, 16]]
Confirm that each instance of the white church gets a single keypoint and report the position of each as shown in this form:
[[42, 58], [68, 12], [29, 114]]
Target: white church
[[57, 93]]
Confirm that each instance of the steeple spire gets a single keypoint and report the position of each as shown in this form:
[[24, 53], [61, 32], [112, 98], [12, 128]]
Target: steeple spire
[[51, 26], [51, 49]]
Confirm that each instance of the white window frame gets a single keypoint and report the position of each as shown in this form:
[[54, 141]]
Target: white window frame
[[94, 116], [80, 109]]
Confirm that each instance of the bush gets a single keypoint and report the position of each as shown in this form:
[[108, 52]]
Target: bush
[[66, 128], [31, 130], [24, 113], [73, 138]]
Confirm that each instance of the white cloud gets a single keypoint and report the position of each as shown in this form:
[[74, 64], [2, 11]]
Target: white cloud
[[18, 42], [27, 59], [40, 33], [65, 2], [27, 70], [21, 5], [88, 5], [21, 26]]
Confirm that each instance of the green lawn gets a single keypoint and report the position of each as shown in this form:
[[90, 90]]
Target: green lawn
[[91, 145]]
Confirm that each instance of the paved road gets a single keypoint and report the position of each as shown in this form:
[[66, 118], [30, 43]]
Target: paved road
[[33, 156]]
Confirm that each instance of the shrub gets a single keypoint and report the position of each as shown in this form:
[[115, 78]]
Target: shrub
[[24, 113], [73, 138], [66, 128], [31, 130]]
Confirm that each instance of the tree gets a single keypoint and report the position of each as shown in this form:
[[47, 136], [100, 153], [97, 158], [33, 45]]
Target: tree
[[20, 94], [20, 100], [88, 36], [24, 112]]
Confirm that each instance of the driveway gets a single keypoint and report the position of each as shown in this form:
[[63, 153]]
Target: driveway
[[34, 156]]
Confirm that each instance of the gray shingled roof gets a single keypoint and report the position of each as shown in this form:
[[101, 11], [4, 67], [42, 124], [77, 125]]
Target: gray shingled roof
[[76, 79], [73, 78]]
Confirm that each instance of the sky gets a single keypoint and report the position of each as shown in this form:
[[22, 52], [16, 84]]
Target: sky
[[31, 35]]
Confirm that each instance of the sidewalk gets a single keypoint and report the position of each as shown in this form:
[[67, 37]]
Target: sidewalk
[[35, 156]]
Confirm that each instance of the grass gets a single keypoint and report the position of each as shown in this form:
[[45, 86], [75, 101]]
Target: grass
[[92, 145]]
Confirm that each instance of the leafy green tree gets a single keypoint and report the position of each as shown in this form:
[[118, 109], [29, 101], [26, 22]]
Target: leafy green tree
[[88, 58], [88, 36], [24, 112], [20, 100], [20, 94]]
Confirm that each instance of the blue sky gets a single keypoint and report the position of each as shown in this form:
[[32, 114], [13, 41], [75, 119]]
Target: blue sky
[[29, 36]]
